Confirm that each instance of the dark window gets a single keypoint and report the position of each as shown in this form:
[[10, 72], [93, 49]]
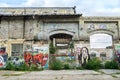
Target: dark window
[[103, 56], [92, 55], [17, 49]]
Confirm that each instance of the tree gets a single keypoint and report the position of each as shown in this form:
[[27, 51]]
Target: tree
[[71, 46], [52, 48]]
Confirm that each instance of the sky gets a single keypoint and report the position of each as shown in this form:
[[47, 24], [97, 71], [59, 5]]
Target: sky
[[84, 7]]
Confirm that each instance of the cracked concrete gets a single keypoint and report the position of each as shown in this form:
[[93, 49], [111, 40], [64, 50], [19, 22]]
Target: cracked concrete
[[102, 74]]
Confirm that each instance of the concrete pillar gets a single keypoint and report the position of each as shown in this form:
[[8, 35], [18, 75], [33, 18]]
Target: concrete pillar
[[54, 42]]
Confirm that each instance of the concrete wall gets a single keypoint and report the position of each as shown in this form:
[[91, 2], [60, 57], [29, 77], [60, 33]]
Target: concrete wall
[[32, 30], [111, 26], [36, 10]]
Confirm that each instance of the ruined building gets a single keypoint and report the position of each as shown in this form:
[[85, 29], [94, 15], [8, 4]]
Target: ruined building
[[23, 28]]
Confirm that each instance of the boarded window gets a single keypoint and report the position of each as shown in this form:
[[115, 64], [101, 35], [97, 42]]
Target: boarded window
[[17, 49]]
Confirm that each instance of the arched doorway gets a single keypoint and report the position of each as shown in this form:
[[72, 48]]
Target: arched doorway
[[100, 40], [102, 44], [61, 40]]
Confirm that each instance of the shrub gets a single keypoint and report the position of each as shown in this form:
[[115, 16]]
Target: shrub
[[33, 67], [111, 64], [52, 48], [9, 66], [56, 65], [79, 68], [22, 67], [93, 64], [66, 66]]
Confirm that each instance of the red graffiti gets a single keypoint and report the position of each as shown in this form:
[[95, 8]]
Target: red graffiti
[[35, 59], [45, 57], [1, 64]]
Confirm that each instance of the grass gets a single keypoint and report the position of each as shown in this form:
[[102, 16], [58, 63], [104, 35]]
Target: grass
[[117, 73], [56, 78], [114, 76], [99, 71], [11, 74], [14, 74]]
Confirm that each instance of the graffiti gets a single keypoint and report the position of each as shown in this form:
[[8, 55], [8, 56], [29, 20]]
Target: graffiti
[[84, 56], [3, 57], [1, 61], [119, 59], [102, 26], [117, 49], [91, 27], [38, 57], [15, 61], [66, 57]]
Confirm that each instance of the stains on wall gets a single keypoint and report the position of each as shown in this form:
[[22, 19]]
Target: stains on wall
[[102, 54]]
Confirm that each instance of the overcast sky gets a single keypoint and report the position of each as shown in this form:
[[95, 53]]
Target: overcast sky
[[86, 7]]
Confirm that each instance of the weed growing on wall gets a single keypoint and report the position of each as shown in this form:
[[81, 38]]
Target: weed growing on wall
[[52, 48]]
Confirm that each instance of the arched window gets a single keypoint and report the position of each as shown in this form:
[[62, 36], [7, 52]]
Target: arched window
[[100, 40]]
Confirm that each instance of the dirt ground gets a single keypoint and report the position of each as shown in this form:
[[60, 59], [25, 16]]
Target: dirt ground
[[103, 74]]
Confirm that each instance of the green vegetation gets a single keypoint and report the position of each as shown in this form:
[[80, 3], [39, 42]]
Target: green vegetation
[[114, 76], [52, 48], [66, 66], [93, 64], [79, 68], [22, 67], [111, 65], [11, 74], [56, 65]]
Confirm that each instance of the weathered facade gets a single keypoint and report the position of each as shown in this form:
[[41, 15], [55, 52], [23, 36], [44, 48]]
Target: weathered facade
[[23, 28]]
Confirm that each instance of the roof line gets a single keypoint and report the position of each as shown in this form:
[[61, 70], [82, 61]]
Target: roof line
[[35, 7], [46, 15]]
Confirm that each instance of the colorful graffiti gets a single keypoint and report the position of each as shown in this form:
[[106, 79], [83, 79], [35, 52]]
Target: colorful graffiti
[[17, 61], [66, 57], [3, 57], [38, 57], [84, 56], [117, 49]]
